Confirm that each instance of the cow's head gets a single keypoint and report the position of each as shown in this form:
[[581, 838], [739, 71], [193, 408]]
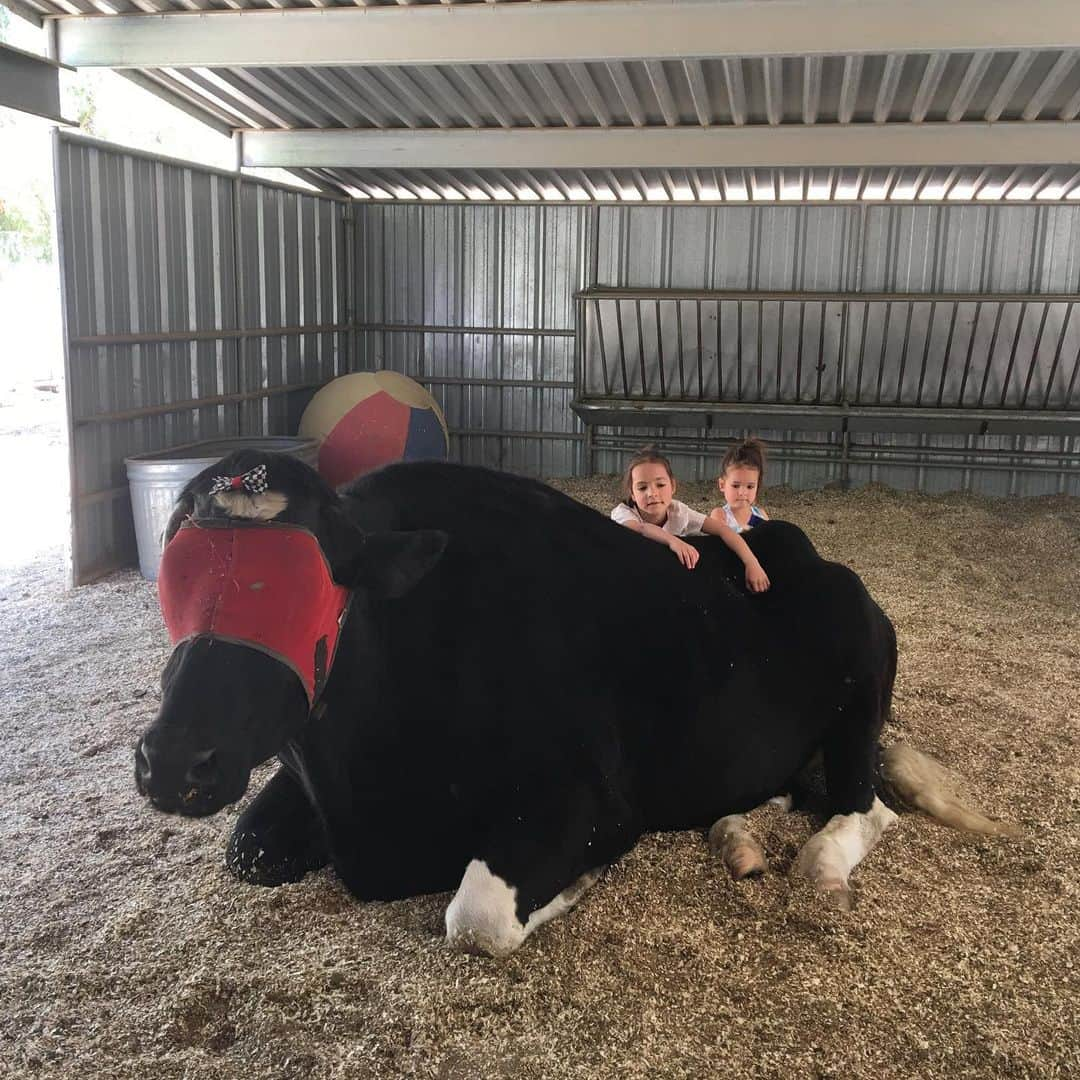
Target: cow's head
[[260, 566]]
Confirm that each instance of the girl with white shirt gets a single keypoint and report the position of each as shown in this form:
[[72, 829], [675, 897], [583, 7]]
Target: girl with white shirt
[[650, 508]]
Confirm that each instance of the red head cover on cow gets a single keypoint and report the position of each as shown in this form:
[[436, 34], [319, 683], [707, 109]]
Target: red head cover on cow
[[267, 586]]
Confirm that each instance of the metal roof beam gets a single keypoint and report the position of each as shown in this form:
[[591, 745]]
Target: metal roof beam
[[1036, 143], [576, 30], [30, 84]]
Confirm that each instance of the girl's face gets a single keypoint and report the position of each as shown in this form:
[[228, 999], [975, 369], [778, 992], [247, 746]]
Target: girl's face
[[739, 486], [652, 489]]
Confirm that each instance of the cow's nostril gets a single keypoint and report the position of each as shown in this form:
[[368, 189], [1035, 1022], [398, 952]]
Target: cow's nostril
[[203, 768]]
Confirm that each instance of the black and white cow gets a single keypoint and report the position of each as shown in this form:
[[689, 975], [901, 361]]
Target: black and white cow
[[520, 687]]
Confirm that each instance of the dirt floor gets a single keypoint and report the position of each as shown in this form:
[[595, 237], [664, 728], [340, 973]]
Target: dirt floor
[[127, 951]]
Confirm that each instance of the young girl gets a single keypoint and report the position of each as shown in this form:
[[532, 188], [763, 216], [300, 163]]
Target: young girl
[[651, 509], [741, 474]]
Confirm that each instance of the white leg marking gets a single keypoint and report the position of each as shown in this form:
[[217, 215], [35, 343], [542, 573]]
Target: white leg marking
[[830, 855], [482, 917], [783, 801], [742, 854]]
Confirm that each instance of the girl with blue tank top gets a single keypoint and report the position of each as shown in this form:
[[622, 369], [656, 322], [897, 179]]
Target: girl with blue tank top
[[742, 472]]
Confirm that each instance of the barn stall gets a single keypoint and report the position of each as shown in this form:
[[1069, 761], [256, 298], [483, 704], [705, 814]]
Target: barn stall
[[863, 246]]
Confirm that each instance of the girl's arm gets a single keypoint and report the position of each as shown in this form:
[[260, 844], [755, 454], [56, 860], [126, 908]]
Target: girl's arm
[[686, 554], [756, 578]]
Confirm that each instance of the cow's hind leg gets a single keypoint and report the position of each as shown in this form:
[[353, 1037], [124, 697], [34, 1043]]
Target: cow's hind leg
[[732, 840], [534, 866], [279, 837], [859, 817]]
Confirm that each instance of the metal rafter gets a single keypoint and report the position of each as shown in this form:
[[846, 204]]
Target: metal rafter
[[1036, 143], [549, 84], [1020, 66], [1051, 81], [811, 88], [582, 30], [736, 88], [928, 86], [593, 96], [625, 90], [849, 88], [774, 89], [974, 74], [890, 82], [662, 89]]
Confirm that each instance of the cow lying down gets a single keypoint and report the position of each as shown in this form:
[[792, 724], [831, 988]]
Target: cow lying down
[[473, 682]]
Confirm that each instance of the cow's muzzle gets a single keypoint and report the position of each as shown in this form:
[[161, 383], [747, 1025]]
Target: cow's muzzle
[[179, 780]]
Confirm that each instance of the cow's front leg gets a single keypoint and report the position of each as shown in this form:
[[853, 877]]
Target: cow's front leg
[[534, 866], [279, 837], [830, 855], [485, 917]]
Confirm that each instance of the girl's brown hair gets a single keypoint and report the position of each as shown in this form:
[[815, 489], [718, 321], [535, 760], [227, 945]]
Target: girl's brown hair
[[748, 454], [647, 455]]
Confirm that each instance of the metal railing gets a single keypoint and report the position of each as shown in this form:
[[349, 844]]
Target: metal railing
[[953, 352]]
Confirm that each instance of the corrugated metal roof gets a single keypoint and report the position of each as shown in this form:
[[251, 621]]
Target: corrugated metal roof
[[717, 92]]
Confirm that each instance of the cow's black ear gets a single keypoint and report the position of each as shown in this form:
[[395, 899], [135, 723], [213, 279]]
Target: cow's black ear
[[185, 507], [395, 562]]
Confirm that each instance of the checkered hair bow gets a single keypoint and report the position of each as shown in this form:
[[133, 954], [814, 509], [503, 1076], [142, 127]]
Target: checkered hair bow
[[254, 482]]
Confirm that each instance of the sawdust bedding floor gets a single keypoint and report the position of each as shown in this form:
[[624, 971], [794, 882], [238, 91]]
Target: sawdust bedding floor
[[127, 951]]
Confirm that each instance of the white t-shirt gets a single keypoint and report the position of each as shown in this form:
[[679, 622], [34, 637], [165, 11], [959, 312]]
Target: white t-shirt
[[681, 520]]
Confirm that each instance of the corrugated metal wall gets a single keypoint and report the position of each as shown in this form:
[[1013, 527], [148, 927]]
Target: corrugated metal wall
[[166, 327], [475, 302]]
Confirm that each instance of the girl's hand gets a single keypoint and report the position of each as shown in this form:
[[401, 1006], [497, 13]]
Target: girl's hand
[[688, 555], [756, 578]]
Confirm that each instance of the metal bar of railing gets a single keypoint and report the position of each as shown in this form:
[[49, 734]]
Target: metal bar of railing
[[1057, 356], [489, 331], [622, 347], [867, 453], [720, 347], [700, 348], [1072, 380], [862, 352], [641, 348], [970, 353], [820, 352], [1012, 354], [760, 343], [990, 355], [611, 293], [799, 354], [926, 352], [841, 365], [701, 356], [903, 353], [679, 337], [780, 349], [660, 351], [738, 352], [603, 350], [947, 353], [884, 347], [186, 336], [1034, 356]]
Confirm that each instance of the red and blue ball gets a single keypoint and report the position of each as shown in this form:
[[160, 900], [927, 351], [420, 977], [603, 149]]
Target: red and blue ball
[[371, 418]]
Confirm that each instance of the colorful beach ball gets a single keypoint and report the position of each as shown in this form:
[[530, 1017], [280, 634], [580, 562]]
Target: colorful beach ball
[[371, 418]]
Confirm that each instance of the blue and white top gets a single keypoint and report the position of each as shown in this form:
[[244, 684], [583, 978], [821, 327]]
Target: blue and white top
[[757, 516]]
